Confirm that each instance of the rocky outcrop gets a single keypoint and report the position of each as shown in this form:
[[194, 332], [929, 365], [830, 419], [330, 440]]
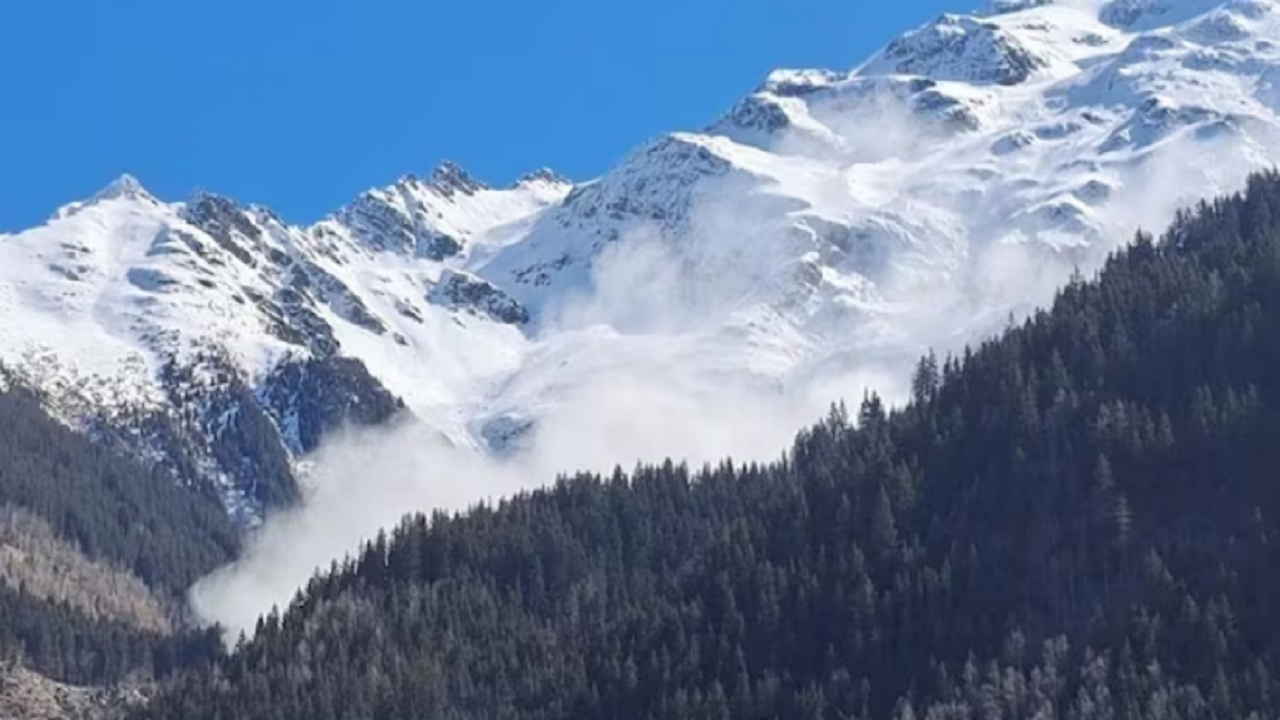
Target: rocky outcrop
[[311, 398], [24, 695], [463, 291], [963, 48]]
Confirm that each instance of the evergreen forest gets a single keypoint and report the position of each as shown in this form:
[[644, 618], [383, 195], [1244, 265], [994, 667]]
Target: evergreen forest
[[127, 520], [1079, 519]]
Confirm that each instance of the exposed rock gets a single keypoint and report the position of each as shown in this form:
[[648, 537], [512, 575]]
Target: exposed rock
[[957, 47], [24, 695], [310, 398], [463, 291], [226, 223], [310, 278], [543, 175], [448, 178], [391, 220]]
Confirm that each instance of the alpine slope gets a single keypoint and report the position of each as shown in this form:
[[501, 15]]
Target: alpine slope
[[816, 238]]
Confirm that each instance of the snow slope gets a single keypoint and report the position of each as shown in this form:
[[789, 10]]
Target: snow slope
[[825, 230]]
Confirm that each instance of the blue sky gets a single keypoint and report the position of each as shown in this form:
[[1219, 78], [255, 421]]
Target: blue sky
[[299, 104]]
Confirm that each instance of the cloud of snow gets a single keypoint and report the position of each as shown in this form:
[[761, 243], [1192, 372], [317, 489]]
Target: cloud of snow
[[677, 348], [646, 354], [1180, 175], [364, 480], [358, 482]]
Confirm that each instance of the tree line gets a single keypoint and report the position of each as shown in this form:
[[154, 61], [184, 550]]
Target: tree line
[[137, 531], [1075, 520]]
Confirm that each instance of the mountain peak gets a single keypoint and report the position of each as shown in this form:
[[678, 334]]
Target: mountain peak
[[449, 177], [962, 48], [543, 175], [200, 194], [124, 187]]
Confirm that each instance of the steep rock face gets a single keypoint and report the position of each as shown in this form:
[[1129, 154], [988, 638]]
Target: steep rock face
[[960, 48], [241, 439], [228, 225], [461, 290], [311, 398], [393, 220], [312, 281], [435, 219], [219, 434], [1150, 14]]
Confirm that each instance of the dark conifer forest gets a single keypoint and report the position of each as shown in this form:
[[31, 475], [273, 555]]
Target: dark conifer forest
[[118, 514], [1079, 519], [111, 507]]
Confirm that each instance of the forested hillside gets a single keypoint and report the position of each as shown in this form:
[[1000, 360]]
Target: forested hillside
[[1076, 520], [96, 552]]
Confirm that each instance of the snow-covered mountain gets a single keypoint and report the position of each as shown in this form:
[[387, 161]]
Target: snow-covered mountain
[[830, 223]]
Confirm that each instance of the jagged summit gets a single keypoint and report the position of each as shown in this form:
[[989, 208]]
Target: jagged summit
[[126, 186], [449, 177], [543, 175], [963, 48], [444, 217], [201, 196]]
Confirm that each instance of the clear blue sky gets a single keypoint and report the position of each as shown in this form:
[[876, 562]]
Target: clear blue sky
[[299, 104]]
